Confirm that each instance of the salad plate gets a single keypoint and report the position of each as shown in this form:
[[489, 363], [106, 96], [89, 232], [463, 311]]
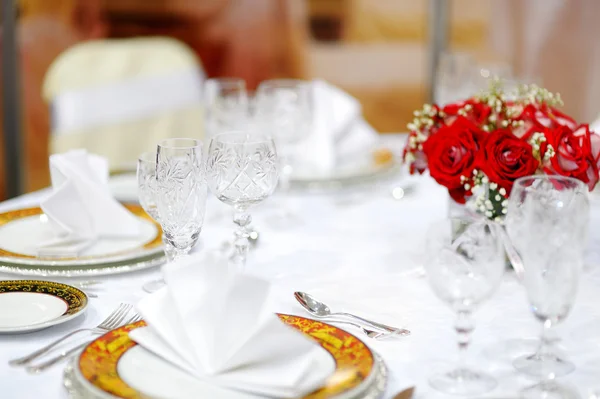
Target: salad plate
[[31, 305]]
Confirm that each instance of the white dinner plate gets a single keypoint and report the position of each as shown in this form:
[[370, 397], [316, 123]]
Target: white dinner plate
[[113, 366], [30, 305], [22, 230]]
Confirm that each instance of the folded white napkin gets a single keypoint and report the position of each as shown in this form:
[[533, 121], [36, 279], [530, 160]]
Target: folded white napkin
[[340, 134], [213, 323], [81, 208]]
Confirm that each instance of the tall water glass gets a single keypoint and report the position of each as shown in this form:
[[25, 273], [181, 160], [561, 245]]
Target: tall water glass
[[181, 192], [226, 105], [454, 78], [242, 171], [146, 178], [465, 264], [484, 74], [283, 109], [547, 220]]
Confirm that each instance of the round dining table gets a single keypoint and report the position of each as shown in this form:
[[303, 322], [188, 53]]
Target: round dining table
[[359, 250]]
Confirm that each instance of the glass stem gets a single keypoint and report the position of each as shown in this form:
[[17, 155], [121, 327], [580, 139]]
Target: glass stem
[[545, 349], [285, 178], [170, 251], [287, 169], [242, 218], [464, 328]]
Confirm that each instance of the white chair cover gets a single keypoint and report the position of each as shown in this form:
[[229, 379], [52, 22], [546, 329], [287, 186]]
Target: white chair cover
[[118, 98]]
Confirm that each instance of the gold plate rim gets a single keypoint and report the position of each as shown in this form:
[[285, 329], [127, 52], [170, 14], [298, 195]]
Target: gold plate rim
[[151, 246], [97, 363]]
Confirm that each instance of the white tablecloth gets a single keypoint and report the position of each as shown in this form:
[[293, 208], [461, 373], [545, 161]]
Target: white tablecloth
[[361, 253]]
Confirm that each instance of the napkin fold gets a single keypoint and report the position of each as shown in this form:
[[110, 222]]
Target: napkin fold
[[213, 323], [81, 208], [340, 133]]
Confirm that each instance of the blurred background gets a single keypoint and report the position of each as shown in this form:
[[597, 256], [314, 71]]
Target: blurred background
[[379, 51]]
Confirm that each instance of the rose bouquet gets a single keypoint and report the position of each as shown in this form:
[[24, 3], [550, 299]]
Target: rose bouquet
[[477, 148]]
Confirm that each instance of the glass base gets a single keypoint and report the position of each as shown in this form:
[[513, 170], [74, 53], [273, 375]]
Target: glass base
[[510, 349], [549, 390], [543, 365], [463, 382], [154, 285]]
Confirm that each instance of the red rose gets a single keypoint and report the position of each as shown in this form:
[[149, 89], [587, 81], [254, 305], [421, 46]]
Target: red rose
[[479, 112], [533, 121], [451, 153], [476, 111], [576, 154], [537, 118], [505, 158], [557, 118]]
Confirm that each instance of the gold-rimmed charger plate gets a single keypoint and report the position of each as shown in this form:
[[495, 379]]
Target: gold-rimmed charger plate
[[358, 373], [23, 229], [362, 173], [32, 305]]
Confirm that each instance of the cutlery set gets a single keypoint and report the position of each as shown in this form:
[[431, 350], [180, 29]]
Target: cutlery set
[[123, 315]]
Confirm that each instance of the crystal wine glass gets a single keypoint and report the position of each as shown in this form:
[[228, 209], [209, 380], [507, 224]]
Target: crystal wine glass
[[464, 265], [226, 105], [181, 192], [283, 109], [547, 220], [146, 177], [242, 172]]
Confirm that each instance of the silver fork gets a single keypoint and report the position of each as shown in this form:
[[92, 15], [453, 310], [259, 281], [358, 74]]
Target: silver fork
[[67, 353], [108, 324]]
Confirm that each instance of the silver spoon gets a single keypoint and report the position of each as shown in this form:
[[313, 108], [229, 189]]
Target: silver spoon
[[320, 310]]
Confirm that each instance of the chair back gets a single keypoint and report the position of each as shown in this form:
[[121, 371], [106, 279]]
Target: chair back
[[119, 97]]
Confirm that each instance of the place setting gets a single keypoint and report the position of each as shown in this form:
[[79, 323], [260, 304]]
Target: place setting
[[307, 117], [79, 229], [237, 357]]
